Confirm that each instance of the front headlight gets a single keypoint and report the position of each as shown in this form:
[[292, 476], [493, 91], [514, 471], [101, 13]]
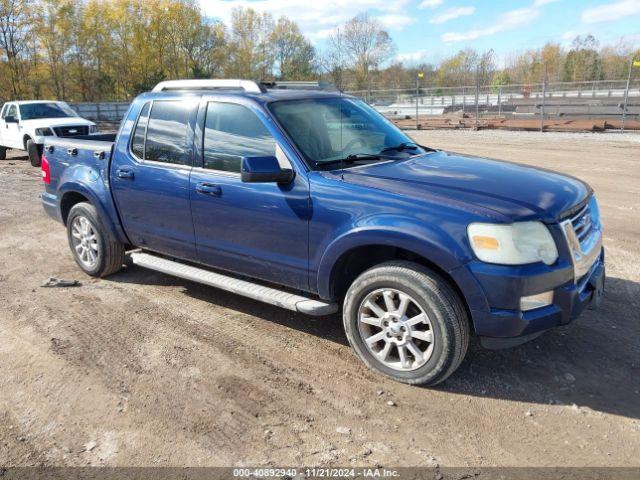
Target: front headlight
[[93, 129], [516, 244], [44, 132]]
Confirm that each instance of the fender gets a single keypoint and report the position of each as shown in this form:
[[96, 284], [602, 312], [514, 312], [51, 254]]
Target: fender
[[428, 241], [97, 194]]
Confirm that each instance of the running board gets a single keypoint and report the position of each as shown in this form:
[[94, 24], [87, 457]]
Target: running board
[[287, 300]]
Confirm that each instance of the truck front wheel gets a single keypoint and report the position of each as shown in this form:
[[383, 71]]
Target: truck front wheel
[[93, 248], [35, 153], [406, 322], [3, 153]]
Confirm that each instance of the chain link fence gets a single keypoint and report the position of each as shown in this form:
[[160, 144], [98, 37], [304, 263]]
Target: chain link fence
[[610, 101]]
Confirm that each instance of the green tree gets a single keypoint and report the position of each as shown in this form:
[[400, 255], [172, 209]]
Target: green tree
[[294, 54], [15, 29], [249, 44], [583, 60]]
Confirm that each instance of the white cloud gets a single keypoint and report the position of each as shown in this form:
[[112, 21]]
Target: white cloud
[[396, 21], [317, 19], [452, 13], [542, 3], [429, 4], [611, 11], [506, 21], [412, 57]]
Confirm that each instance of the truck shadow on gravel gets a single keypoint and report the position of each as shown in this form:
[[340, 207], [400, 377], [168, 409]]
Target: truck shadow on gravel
[[590, 364], [17, 155]]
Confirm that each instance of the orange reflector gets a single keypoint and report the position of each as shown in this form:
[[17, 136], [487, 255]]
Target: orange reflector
[[488, 243]]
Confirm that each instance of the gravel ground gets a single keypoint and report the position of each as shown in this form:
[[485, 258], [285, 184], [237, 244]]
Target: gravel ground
[[146, 369]]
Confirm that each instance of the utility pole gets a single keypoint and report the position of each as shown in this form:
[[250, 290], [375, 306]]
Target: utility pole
[[632, 63], [420, 75], [477, 95], [544, 96], [463, 101]]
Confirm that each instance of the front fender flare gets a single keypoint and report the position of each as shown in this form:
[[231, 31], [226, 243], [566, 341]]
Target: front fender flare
[[433, 244]]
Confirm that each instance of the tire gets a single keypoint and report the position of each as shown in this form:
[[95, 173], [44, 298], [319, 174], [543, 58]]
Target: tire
[[3, 153], [435, 322], [35, 153], [92, 246]]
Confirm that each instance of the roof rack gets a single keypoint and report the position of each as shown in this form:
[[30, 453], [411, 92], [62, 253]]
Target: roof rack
[[248, 86], [300, 85]]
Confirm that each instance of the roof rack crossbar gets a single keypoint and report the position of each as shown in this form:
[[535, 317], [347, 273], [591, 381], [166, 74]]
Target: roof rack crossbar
[[300, 85], [248, 86]]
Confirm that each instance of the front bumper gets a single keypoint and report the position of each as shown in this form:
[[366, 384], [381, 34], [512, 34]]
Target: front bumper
[[506, 326]]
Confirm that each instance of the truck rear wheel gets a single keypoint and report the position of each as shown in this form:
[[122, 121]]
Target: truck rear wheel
[[35, 153], [93, 248], [406, 322], [3, 153]]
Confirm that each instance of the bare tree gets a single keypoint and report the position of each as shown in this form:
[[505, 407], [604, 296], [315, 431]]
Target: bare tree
[[332, 60], [486, 67], [363, 45]]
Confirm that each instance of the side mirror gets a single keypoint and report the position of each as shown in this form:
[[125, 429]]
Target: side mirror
[[10, 119], [264, 170]]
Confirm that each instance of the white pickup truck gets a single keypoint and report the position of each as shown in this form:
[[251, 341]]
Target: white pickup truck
[[24, 126]]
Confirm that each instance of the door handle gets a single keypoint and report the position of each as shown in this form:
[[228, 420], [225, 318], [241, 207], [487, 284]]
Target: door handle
[[209, 189], [125, 174], [72, 151]]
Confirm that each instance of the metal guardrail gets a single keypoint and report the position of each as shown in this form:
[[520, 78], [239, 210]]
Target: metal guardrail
[[110, 112]]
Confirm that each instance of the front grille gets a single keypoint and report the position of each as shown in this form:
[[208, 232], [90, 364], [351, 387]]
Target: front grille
[[583, 232], [583, 223], [71, 131]]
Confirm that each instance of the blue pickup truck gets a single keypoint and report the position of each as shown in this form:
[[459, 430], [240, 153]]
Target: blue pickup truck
[[312, 201]]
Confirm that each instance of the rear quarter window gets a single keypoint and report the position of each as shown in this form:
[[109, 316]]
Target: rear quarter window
[[137, 139]]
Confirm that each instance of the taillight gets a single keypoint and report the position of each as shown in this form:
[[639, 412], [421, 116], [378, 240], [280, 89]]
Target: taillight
[[46, 170]]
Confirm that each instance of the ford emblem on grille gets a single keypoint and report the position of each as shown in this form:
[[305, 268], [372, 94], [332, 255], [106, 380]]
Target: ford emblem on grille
[[73, 130], [585, 221]]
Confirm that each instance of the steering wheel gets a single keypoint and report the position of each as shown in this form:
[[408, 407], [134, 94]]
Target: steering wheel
[[349, 146]]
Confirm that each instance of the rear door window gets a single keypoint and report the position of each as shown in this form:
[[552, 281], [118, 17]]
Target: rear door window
[[231, 132], [166, 139]]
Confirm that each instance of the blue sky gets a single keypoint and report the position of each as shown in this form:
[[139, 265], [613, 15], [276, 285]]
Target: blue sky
[[430, 30]]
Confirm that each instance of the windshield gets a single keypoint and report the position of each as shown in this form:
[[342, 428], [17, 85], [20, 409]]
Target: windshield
[[328, 131], [31, 111]]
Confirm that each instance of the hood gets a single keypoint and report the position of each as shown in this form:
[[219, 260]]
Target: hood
[[55, 122], [516, 191]]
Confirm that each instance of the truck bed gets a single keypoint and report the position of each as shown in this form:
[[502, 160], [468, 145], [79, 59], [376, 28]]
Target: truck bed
[[89, 150], [82, 160]]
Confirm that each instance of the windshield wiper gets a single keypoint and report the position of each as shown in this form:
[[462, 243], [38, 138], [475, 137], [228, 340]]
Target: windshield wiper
[[355, 157], [400, 147]]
